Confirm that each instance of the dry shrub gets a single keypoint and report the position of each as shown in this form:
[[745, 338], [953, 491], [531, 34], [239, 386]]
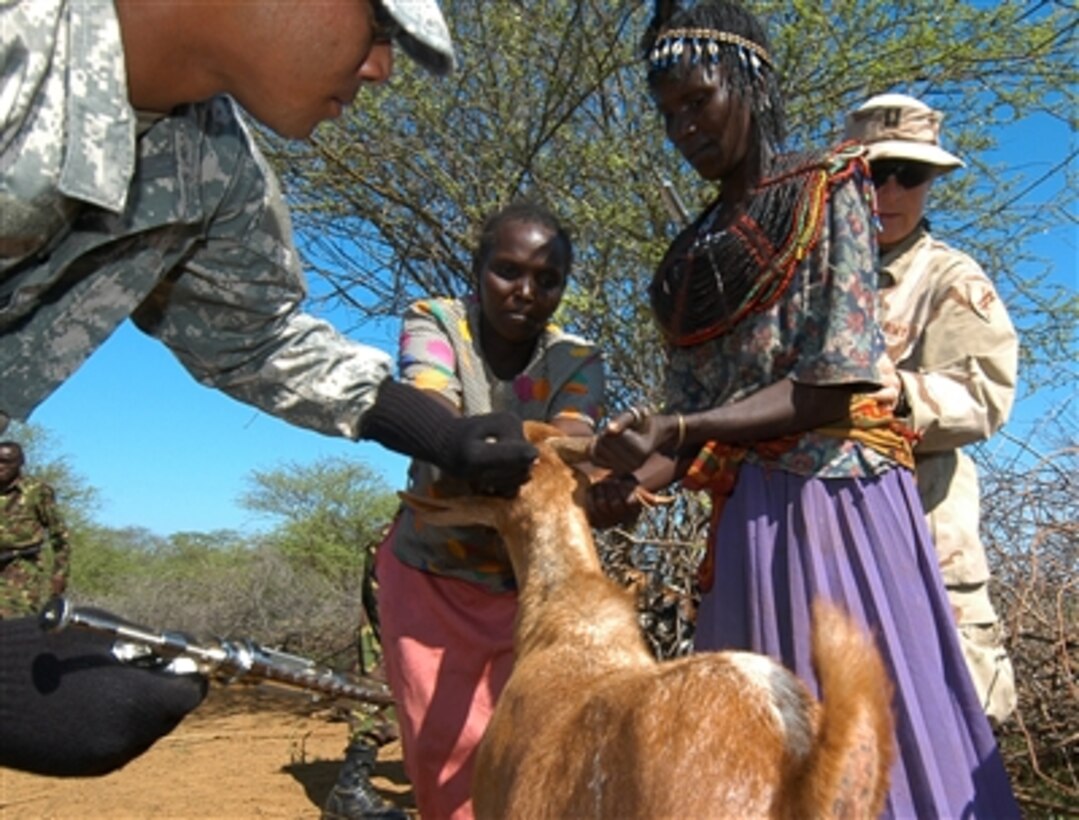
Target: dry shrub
[[268, 599], [1031, 526], [658, 560]]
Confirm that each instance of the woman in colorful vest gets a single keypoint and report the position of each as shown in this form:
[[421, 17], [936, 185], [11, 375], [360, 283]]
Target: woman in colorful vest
[[447, 596]]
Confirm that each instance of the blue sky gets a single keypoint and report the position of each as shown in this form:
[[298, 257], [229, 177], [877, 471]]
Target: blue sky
[[170, 455]]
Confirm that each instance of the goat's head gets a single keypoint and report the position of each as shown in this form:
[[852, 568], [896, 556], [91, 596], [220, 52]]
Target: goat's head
[[552, 481]]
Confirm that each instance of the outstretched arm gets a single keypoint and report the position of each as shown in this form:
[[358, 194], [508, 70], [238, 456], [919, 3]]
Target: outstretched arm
[[783, 408], [488, 450]]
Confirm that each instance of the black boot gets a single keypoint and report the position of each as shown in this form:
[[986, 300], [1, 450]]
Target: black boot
[[353, 797]]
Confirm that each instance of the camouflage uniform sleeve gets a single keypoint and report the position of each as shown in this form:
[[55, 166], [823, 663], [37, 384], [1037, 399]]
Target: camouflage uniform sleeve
[[53, 522], [967, 392], [232, 315]]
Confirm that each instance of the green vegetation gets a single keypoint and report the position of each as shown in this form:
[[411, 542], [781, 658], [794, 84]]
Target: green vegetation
[[294, 586], [550, 100]]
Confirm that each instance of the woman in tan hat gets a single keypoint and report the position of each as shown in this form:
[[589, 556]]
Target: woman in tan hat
[[955, 351]]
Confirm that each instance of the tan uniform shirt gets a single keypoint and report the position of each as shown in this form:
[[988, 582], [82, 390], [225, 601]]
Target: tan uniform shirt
[[957, 353]]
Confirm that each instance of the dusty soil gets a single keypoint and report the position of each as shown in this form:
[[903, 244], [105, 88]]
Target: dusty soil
[[245, 752]]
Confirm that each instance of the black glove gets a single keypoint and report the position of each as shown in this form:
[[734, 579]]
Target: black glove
[[488, 451], [69, 708], [491, 453]]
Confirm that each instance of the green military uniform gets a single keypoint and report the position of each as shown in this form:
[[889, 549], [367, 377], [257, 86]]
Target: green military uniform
[[371, 725], [28, 572], [957, 355], [371, 722]]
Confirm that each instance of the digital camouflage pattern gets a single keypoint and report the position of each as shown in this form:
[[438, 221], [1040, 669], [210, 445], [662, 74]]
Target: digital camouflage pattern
[[956, 352], [29, 517], [176, 221]]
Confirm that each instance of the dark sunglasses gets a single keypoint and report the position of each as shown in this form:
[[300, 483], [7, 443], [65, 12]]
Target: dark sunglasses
[[907, 173], [386, 28]]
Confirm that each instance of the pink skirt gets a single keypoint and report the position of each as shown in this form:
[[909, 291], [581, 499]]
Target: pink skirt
[[448, 650]]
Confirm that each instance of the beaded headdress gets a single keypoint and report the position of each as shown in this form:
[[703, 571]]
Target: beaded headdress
[[705, 43]]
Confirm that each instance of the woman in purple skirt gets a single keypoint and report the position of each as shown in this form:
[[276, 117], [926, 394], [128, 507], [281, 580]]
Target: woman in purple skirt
[[778, 403]]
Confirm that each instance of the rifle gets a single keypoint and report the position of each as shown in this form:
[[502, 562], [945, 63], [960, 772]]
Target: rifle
[[227, 661]]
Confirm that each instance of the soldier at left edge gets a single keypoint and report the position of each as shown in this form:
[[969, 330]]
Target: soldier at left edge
[[30, 521]]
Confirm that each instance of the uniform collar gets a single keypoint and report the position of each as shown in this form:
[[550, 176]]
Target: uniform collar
[[891, 263], [15, 486], [99, 155]]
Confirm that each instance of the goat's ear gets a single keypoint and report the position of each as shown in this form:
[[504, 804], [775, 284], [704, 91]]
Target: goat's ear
[[571, 449], [458, 511]]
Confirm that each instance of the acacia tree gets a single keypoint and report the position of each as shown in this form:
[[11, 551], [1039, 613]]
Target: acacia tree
[[549, 100], [325, 514]]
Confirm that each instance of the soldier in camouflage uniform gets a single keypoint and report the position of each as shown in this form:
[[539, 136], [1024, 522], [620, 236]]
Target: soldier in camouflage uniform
[[371, 726], [29, 574], [131, 187], [956, 352]]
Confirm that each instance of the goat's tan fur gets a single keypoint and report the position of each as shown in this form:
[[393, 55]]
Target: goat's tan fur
[[590, 725]]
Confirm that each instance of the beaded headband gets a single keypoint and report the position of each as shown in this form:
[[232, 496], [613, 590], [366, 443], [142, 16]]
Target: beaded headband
[[672, 44]]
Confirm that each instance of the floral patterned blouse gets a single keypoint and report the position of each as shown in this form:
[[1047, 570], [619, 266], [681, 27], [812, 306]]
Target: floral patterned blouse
[[821, 331], [440, 351]]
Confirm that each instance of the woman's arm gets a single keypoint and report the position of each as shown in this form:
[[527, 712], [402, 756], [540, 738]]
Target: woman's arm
[[780, 409]]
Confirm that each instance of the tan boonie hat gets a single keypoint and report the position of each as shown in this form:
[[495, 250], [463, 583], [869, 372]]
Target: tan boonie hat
[[424, 35], [895, 126]]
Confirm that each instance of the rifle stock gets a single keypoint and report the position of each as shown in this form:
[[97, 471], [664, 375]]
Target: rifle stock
[[227, 661]]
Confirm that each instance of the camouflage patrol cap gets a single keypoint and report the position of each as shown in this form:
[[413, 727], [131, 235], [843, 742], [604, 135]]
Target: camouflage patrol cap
[[896, 126], [423, 34]]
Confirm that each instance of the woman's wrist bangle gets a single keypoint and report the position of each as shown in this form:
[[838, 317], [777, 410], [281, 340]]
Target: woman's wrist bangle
[[681, 432]]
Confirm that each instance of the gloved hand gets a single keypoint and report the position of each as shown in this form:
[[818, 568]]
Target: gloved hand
[[489, 451], [69, 708]]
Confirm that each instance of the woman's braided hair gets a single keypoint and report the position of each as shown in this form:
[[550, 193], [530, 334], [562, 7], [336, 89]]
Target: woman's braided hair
[[718, 272], [738, 47]]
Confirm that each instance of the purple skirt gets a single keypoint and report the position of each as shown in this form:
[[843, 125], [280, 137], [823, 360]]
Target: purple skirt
[[785, 540]]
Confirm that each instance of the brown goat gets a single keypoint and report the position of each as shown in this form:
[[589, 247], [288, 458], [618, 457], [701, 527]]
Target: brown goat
[[591, 725]]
